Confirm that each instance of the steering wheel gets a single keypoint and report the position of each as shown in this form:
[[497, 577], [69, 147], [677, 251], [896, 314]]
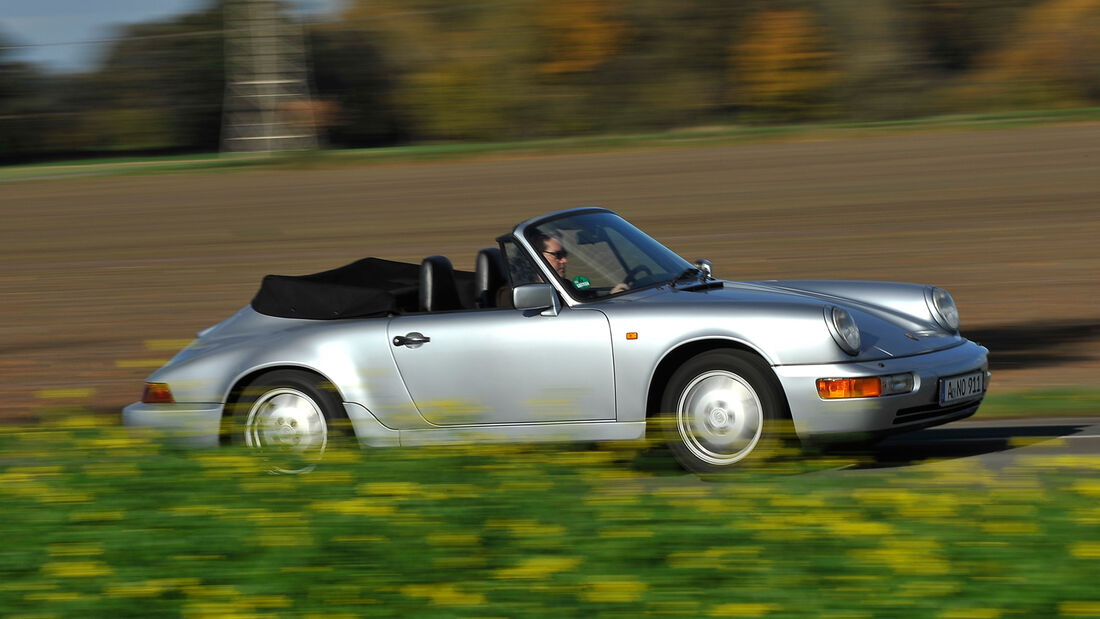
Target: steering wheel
[[632, 274]]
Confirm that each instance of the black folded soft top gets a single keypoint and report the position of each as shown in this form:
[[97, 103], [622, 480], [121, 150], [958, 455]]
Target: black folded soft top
[[367, 287], [364, 288]]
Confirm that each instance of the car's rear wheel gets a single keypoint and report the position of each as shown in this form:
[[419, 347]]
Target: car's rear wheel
[[719, 408], [289, 417]]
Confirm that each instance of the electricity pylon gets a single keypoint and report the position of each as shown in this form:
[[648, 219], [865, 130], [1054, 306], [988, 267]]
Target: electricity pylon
[[267, 96]]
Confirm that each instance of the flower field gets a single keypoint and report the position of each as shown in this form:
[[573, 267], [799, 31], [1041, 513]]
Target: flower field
[[100, 521]]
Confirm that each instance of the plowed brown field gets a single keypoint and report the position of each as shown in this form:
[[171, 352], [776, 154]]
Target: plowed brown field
[[99, 272]]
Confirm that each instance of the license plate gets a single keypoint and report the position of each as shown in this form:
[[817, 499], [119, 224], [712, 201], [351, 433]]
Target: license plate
[[962, 387]]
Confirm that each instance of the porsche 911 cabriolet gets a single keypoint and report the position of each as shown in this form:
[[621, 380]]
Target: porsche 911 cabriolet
[[576, 326]]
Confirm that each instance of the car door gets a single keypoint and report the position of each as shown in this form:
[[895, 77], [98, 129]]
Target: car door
[[506, 366]]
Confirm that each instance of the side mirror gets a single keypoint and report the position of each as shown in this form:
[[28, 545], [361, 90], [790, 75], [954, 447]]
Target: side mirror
[[704, 266], [536, 297]]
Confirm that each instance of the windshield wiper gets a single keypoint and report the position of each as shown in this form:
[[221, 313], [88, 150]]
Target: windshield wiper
[[692, 272], [702, 281]]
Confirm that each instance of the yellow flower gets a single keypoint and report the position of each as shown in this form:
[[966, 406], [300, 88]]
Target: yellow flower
[[75, 550], [443, 595], [454, 539], [1079, 609], [1086, 550], [219, 610], [78, 422], [742, 610], [626, 533], [353, 507], [614, 591], [1088, 488], [527, 528], [537, 568], [971, 613], [77, 569], [57, 596], [919, 557], [65, 393], [147, 589]]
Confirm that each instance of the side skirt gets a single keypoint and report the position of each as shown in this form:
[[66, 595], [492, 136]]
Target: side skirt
[[372, 433], [549, 432]]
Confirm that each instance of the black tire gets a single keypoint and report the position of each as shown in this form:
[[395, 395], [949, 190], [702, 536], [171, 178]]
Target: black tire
[[290, 417], [720, 408]]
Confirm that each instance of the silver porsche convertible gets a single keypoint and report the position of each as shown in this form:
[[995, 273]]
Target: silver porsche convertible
[[577, 326]]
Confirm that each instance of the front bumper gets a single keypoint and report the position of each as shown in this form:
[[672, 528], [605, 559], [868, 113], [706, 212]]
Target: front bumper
[[817, 418], [197, 424]]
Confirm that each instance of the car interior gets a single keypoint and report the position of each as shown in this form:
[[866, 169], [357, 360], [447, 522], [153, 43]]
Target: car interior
[[442, 289]]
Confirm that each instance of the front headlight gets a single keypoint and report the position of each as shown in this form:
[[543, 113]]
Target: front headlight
[[844, 329], [943, 308]]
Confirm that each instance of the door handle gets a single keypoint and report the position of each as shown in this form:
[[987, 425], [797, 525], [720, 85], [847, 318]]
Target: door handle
[[412, 340]]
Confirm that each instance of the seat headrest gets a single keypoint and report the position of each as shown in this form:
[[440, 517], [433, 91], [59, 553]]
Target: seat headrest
[[490, 273], [438, 292]]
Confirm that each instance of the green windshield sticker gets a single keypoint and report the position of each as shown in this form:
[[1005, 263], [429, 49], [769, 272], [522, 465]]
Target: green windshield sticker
[[581, 282]]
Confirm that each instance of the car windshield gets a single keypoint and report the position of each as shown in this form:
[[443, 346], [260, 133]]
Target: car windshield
[[597, 254]]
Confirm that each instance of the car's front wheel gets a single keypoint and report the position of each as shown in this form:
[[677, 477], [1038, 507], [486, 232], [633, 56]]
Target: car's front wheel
[[289, 417], [719, 408]]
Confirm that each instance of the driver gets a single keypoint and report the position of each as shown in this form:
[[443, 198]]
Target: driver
[[553, 251], [558, 258]]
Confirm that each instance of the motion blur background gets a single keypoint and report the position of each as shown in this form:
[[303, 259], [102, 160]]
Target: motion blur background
[[387, 72], [113, 264], [108, 268]]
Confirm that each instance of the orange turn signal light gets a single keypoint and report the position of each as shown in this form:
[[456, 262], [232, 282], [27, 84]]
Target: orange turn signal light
[[838, 388], [157, 393]]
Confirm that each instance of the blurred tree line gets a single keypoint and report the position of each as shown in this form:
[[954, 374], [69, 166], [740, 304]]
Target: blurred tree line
[[406, 71]]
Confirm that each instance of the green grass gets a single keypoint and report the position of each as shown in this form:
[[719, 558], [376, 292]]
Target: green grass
[[458, 151], [1047, 403], [99, 522]]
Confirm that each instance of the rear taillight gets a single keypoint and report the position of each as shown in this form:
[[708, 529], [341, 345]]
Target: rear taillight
[[157, 393]]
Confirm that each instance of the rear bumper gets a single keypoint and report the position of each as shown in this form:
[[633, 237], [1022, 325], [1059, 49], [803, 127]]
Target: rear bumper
[[816, 418], [197, 424]]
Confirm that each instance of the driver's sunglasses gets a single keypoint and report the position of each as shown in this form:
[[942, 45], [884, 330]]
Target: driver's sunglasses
[[561, 254]]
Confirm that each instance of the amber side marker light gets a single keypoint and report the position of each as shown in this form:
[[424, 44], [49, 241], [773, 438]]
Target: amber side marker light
[[838, 388], [157, 393], [865, 386]]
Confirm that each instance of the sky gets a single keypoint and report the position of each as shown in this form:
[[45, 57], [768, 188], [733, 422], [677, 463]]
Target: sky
[[49, 31]]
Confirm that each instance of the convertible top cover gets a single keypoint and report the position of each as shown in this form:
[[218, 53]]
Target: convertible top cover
[[367, 287]]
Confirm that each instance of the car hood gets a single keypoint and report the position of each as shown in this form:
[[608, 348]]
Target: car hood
[[893, 318]]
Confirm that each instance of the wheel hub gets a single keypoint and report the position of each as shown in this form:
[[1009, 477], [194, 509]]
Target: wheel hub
[[720, 417], [289, 422], [719, 421]]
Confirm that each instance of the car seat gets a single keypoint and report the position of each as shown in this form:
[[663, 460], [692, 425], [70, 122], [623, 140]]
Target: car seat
[[490, 273], [438, 292]]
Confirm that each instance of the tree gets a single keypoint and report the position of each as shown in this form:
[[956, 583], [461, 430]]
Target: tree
[[356, 86], [782, 66], [1054, 59], [579, 35], [161, 85], [37, 114]]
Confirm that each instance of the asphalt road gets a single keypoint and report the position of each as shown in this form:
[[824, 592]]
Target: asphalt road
[[993, 444]]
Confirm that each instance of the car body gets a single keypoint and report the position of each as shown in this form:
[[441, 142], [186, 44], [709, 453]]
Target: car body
[[577, 327]]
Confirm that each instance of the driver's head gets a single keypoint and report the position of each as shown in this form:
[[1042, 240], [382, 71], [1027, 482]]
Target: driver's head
[[555, 254]]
